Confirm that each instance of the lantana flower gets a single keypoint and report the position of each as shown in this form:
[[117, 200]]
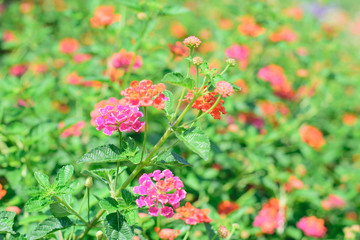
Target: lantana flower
[[18, 70], [73, 130], [312, 226], [119, 118], [124, 59], [227, 207], [166, 233], [69, 45], [312, 136], [145, 94], [104, 16], [160, 188], [224, 89], [249, 27], [240, 53], [269, 217], [192, 215]]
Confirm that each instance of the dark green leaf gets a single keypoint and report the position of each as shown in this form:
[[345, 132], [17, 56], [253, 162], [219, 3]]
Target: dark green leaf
[[195, 139], [171, 159], [178, 79], [116, 228], [109, 204], [127, 196], [211, 232], [50, 225], [59, 210]]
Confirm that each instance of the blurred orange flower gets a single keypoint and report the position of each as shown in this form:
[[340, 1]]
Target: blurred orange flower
[[312, 136]]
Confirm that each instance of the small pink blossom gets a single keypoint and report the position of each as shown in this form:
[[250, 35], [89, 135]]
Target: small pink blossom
[[192, 41], [122, 118], [124, 59], [224, 89], [312, 226], [82, 57], [73, 130], [18, 70], [160, 188]]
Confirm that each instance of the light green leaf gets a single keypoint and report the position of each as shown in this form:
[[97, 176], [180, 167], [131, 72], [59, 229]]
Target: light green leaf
[[37, 203], [130, 216], [178, 79], [7, 222], [195, 139], [50, 225], [109, 204], [169, 103], [42, 179], [64, 175], [116, 228], [173, 10]]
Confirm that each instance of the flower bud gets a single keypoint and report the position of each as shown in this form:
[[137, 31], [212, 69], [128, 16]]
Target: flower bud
[[198, 61], [99, 235], [192, 42], [223, 232], [141, 16], [231, 62], [89, 182]]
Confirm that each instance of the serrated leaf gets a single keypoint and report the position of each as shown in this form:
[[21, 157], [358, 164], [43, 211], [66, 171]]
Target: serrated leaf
[[178, 79], [18, 236], [169, 103], [171, 159], [109, 204], [50, 225], [59, 210], [116, 228], [130, 217], [211, 232], [42, 179], [37, 203], [127, 196], [195, 139], [110, 153], [64, 175], [7, 222]]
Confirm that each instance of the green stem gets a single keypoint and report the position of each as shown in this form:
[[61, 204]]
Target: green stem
[[72, 210], [88, 203], [214, 237], [226, 68], [145, 133], [118, 163], [188, 233], [179, 103], [82, 202]]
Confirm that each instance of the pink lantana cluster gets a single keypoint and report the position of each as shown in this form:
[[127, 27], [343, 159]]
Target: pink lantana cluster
[[224, 89], [124, 60], [145, 94], [240, 53], [160, 187], [192, 41], [122, 118], [312, 226]]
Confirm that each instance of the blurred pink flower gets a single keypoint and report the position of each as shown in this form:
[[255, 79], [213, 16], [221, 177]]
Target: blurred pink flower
[[312, 226]]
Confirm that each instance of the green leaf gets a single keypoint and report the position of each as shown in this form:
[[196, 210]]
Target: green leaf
[[50, 225], [59, 210], [173, 10], [64, 175], [116, 228], [178, 79], [130, 216], [105, 153], [236, 87], [211, 232], [169, 103], [102, 174], [7, 222], [109, 204], [111, 153], [37, 203], [171, 159], [195, 139], [18, 236], [133, 4], [127, 196], [42, 179]]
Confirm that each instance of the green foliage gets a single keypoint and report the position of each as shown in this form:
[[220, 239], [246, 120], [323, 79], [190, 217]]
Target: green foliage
[[170, 158], [116, 228], [196, 140], [50, 225], [178, 79], [7, 222]]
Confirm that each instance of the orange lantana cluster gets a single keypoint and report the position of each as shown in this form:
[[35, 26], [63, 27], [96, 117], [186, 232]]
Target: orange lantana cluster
[[192, 215]]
